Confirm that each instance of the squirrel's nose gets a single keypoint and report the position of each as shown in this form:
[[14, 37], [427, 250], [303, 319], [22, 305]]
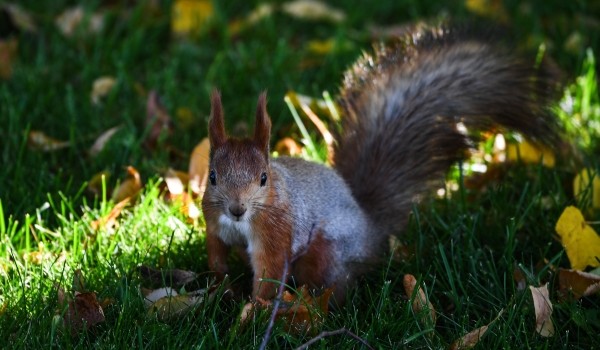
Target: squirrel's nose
[[237, 209]]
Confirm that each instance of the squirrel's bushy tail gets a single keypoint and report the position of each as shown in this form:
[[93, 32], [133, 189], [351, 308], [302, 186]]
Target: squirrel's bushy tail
[[402, 105]]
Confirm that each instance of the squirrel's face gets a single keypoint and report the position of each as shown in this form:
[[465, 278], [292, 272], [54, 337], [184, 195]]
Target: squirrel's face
[[238, 180], [239, 177]]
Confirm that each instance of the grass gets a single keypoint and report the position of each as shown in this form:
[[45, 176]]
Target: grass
[[464, 247]]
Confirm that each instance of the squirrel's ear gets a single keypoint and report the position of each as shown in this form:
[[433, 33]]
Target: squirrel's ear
[[216, 124], [262, 128]]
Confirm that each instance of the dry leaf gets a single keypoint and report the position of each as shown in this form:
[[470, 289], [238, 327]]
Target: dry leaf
[[580, 241], [39, 256], [313, 10], [83, 311], [190, 16], [110, 220], [300, 312], [527, 152], [519, 278], [97, 182], [168, 305], [158, 121], [101, 141], [470, 339], [128, 188], [198, 170], [586, 185], [38, 140], [421, 305], [288, 147], [101, 88], [577, 283], [543, 310], [8, 54], [75, 18], [20, 17]]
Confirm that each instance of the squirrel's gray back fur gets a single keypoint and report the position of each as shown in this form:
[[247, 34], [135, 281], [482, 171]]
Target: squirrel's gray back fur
[[401, 108]]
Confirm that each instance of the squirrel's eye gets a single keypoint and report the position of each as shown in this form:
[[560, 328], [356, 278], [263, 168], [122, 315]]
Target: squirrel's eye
[[263, 179], [212, 177]]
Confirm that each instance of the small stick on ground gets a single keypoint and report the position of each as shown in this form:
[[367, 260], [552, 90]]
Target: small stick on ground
[[276, 303], [331, 333]]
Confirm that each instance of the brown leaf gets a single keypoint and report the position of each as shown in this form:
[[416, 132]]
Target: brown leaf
[[175, 182], [198, 170], [470, 339], [83, 311], [101, 141], [420, 303], [8, 54], [579, 283], [300, 312], [110, 220], [158, 121], [129, 188], [543, 310], [39, 141]]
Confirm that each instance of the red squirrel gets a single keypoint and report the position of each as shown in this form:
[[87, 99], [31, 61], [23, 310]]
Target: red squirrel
[[399, 136]]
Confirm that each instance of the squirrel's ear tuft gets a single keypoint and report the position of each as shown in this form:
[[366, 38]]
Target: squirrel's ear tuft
[[262, 128], [216, 124]]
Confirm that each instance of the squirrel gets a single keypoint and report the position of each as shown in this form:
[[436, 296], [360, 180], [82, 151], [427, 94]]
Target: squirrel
[[401, 106]]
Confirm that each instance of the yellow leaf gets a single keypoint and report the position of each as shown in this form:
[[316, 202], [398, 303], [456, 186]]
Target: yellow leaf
[[198, 169], [130, 187], [190, 16], [38, 140], [101, 88], [529, 153], [543, 310], [587, 185], [581, 242]]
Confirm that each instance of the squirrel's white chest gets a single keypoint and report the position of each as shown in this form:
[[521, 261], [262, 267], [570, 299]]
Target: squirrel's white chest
[[235, 232]]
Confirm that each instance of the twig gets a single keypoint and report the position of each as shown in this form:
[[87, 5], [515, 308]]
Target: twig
[[276, 303], [331, 333]]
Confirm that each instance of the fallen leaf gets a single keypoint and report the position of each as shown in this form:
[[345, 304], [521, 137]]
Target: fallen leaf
[[83, 310], [8, 55], [519, 278], [101, 141], [299, 312], [586, 187], [101, 88], [75, 20], [168, 305], [128, 188], [158, 121], [578, 283], [288, 147], [98, 182], [469, 340], [38, 256], [313, 10], [175, 182], [21, 18], [190, 16], [198, 168], [527, 152], [110, 220], [421, 305], [488, 8], [39, 141], [580, 241], [153, 295], [543, 310]]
